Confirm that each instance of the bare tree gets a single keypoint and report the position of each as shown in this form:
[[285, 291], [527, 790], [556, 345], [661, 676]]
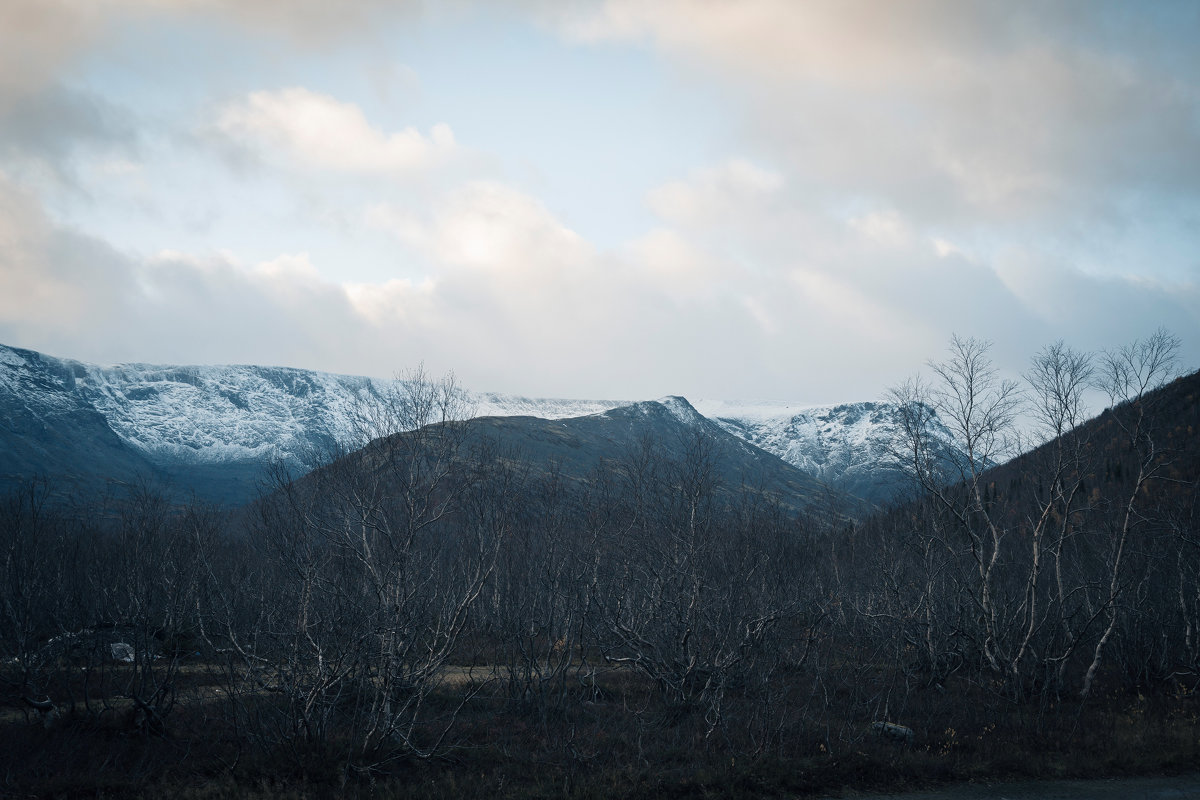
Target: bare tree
[[687, 598], [30, 536], [1128, 375], [978, 408], [1058, 379], [376, 561]]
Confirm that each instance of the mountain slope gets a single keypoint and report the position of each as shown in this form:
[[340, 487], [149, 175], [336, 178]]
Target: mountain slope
[[213, 429], [1168, 449], [666, 435], [209, 429], [47, 429], [847, 446]]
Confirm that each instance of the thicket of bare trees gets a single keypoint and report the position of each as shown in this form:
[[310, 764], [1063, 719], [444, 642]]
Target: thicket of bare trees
[[363, 608], [1020, 572]]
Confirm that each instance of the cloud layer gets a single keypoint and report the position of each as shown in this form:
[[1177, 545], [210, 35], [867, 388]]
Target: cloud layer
[[316, 130], [883, 175]]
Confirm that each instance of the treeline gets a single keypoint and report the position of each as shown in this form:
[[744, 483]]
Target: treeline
[[422, 596]]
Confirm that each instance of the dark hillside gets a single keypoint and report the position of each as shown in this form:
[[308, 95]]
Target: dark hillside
[[1071, 567], [579, 449], [1170, 418]]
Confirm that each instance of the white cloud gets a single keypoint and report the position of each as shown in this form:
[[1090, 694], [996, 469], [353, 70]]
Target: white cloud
[[839, 305], [1064, 120], [716, 194], [757, 309], [39, 39], [540, 311], [488, 226], [683, 271], [945, 248], [857, 42], [319, 131], [889, 156], [885, 228], [393, 301], [309, 22]]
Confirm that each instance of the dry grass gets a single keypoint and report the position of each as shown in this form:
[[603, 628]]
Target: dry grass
[[623, 744]]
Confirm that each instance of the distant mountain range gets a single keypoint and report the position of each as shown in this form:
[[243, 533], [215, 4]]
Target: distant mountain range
[[211, 430]]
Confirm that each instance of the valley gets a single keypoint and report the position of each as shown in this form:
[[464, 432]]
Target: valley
[[262, 581]]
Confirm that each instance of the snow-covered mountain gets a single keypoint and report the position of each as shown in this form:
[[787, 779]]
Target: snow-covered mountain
[[848, 446], [213, 428], [216, 414], [47, 429]]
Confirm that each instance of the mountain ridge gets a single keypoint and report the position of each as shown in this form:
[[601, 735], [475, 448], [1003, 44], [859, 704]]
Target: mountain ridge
[[214, 428]]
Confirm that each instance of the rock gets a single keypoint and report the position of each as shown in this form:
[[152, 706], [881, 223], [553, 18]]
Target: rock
[[890, 730]]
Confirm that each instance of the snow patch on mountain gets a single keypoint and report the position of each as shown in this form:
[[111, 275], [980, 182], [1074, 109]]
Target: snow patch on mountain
[[674, 407], [492, 404], [849, 445], [10, 358], [218, 414], [681, 409], [37, 382]]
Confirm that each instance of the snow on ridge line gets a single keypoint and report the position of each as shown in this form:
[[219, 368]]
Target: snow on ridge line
[[9, 357], [103, 379], [494, 404], [209, 414], [753, 410], [681, 408], [764, 410]]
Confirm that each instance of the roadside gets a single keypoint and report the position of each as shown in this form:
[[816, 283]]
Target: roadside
[[1181, 787]]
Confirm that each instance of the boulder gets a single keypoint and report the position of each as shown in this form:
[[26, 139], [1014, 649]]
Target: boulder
[[890, 730]]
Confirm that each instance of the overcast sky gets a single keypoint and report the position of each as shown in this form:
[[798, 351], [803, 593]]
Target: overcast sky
[[761, 199]]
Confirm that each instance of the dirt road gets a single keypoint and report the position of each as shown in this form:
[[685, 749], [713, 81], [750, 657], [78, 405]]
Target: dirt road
[[1185, 787]]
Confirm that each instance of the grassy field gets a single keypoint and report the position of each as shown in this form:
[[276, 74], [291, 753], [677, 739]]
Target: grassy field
[[621, 743]]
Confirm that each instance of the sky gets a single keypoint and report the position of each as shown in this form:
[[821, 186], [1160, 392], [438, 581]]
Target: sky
[[761, 199]]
